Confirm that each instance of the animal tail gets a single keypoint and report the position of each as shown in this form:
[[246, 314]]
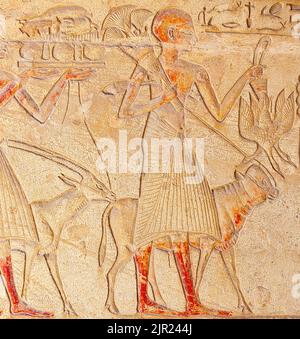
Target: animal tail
[[105, 225]]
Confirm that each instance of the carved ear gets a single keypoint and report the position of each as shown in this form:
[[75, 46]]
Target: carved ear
[[171, 33], [238, 175], [68, 181]]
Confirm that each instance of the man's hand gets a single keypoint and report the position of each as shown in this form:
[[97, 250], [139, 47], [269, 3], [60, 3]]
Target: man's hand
[[168, 96], [77, 74], [39, 73], [255, 72], [202, 75]]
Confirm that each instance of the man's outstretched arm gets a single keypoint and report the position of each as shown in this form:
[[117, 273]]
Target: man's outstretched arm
[[220, 110], [42, 112]]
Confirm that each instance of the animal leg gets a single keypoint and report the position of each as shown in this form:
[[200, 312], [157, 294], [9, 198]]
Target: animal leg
[[51, 260], [121, 222], [228, 258], [204, 256], [52, 247], [123, 257], [153, 282], [30, 254], [284, 156]]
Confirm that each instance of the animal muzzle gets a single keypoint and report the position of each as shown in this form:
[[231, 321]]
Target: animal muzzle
[[273, 193], [110, 197]]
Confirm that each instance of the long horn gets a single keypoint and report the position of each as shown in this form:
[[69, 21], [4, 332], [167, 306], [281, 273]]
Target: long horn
[[50, 155]]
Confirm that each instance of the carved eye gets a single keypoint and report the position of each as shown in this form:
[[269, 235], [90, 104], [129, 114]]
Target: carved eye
[[136, 32], [100, 187]]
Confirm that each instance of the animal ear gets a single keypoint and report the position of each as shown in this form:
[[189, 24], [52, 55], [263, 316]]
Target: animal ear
[[238, 175], [68, 181]]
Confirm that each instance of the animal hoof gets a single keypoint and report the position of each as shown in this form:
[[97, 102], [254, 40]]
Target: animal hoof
[[70, 312], [245, 309], [293, 164], [112, 309]]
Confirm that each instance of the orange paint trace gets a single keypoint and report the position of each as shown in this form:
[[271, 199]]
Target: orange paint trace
[[18, 307]]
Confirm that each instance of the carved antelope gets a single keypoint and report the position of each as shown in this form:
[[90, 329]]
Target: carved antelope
[[57, 212]]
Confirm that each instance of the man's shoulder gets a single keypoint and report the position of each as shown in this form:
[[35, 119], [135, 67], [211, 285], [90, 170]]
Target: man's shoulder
[[6, 75]]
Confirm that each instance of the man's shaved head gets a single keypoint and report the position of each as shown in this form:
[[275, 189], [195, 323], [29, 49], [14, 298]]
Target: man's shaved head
[[169, 18]]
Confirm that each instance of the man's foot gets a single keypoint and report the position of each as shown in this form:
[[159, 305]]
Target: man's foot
[[149, 306], [199, 309], [23, 309]]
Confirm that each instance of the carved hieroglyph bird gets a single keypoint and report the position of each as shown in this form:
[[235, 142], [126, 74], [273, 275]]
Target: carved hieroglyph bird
[[258, 124]]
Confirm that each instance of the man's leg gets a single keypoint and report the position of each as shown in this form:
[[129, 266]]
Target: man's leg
[[183, 262], [145, 304], [17, 306]]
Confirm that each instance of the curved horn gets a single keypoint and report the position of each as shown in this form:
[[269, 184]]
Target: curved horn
[[50, 155]]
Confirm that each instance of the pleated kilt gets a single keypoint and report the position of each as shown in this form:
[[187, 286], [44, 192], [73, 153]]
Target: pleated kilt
[[168, 203], [16, 218]]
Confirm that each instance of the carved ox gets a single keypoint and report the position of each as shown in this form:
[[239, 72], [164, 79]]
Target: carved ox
[[234, 203]]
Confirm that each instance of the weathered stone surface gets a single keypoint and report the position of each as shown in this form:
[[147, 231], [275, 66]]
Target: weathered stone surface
[[83, 86]]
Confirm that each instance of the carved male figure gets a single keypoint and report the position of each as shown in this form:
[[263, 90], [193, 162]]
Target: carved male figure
[[16, 219], [170, 208]]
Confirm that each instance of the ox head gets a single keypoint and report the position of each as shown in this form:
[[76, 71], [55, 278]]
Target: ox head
[[261, 179], [89, 186]]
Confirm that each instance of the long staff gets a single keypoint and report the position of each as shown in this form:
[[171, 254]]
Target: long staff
[[153, 67]]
